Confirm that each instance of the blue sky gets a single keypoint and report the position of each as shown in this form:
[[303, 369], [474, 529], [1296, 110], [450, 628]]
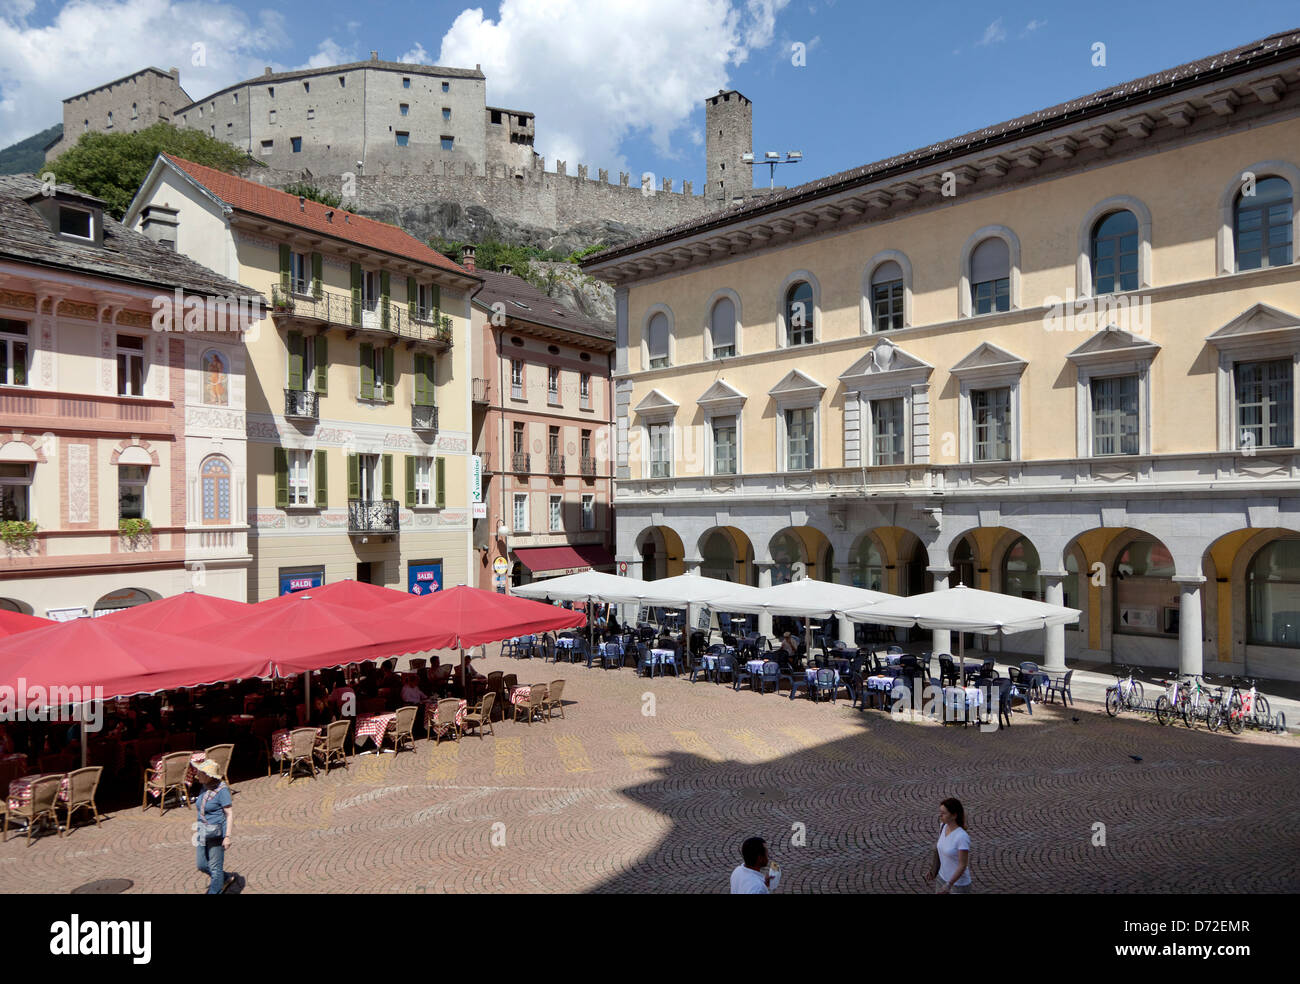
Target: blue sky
[[621, 83]]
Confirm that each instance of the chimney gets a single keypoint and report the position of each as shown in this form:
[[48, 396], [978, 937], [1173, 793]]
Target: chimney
[[302, 204], [267, 71], [467, 257], [175, 73], [159, 223], [374, 56]]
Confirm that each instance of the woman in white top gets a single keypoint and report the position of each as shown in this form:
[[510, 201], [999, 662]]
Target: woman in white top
[[952, 852]]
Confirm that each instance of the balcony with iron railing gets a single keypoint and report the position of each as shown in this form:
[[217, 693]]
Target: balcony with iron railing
[[424, 417], [343, 310], [301, 404], [372, 516], [588, 465], [555, 464], [519, 462]]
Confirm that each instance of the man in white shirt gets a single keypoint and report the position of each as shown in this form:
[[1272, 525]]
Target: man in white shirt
[[411, 694], [748, 878]]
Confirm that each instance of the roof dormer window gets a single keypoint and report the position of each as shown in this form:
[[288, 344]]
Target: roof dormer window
[[76, 223]]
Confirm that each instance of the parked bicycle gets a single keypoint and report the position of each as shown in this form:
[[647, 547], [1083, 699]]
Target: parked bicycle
[[1195, 699], [1171, 703], [1238, 707], [1124, 694]]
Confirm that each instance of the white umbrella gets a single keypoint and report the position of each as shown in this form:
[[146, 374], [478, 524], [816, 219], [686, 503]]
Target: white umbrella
[[583, 586], [966, 609]]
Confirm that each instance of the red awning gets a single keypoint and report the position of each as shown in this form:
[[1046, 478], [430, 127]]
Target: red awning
[[476, 618], [563, 560]]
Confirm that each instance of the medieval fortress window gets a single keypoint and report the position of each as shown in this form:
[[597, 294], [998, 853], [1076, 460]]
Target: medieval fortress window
[[109, 125], [270, 117], [342, 81], [448, 143], [235, 98], [270, 91], [135, 113], [85, 124], [406, 83], [496, 117], [404, 108], [523, 121], [295, 144], [446, 112], [403, 138], [311, 114], [306, 87], [446, 87], [267, 146]]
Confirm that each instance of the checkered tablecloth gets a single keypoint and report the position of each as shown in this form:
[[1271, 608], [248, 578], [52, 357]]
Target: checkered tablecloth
[[197, 758], [755, 665], [373, 726], [20, 790], [431, 708]]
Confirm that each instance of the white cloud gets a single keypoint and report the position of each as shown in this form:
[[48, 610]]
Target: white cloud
[[994, 33], [328, 53], [1032, 26], [90, 42], [417, 56], [594, 71]]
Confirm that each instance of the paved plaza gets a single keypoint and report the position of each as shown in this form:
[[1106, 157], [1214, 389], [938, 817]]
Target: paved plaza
[[651, 785]]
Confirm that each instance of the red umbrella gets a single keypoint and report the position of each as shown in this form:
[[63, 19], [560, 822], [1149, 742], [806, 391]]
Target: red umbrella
[[87, 653], [181, 614], [352, 594], [475, 617], [305, 634], [12, 623]]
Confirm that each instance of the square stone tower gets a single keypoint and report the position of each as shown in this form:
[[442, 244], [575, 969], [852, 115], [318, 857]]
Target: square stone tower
[[729, 129]]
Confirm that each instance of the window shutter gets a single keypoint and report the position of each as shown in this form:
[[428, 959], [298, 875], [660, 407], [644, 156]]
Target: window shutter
[[367, 371], [412, 296], [316, 278], [285, 263], [410, 481], [436, 296], [419, 381], [354, 477], [387, 468], [388, 374], [383, 297], [322, 481], [440, 478], [356, 293], [430, 375], [281, 478], [294, 341], [322, 364]]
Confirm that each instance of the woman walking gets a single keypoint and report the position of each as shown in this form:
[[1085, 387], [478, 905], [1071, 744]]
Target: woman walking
[[951, 863], [212, 831]]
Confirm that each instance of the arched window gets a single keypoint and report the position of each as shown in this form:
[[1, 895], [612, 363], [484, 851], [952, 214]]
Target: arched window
[[1262, 225], [722, 327], [657, 340], [799, 314], [887, 296], [1273, 595], [1146, 598], [214, 480], [1020, 571], [1115, 253], [990, 276], [867, 566]]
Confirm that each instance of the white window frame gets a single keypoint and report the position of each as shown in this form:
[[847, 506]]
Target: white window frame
[[1226, 240], [1084, 280], [371, 289], [424, 482], [424, 308], [588, 512], [299, 272], [965, 302], [142, 485], [370, 479], [886, 372], [710, 346], [814, 457], [667, 446], [1012, 454], [584, 391], [130, 353], [713, 420], [1005, 374], [517, 389], [667, 312], [782, 332], [24, 482], [301, 474], [873, 428], [867, 313], [808, 397], [1260, 334], [1236, 401], [516, 512], [7, 342], [553, 386], [555, 513], [90, 215]]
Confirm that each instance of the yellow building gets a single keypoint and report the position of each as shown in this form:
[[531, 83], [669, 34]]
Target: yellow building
[[358, 383], [1056, 358]]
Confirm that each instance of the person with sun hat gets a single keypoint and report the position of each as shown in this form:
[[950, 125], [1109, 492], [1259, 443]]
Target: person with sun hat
[[212, 831]]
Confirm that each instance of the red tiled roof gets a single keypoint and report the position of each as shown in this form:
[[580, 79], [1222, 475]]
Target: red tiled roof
[[249, 196]]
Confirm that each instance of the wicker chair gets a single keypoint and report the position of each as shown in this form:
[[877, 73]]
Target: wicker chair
[[221, 754], [554, 698], [401, 729], [334, 746], [171, 774], [444, 720], [82, 785], [302, 746], [42, 806], [536, 703], [480, 717]]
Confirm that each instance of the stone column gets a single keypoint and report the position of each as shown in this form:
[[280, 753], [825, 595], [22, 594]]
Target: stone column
[[764, 581], [1190, 654], [1054, 642], [940, 639], [626, 611], [846, 631]]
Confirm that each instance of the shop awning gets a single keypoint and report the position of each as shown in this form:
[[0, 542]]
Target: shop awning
[[554, 561]]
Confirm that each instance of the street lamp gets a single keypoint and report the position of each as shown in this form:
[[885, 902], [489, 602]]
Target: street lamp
[[772, 158]]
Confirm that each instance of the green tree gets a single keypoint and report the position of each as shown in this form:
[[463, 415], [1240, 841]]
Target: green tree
[[309, 191], [112, 166]]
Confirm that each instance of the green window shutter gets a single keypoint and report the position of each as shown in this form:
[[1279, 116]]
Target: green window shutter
[[383, 297], [322, 364], [388, 374], [440, 478], [294, 341], [285, 263], [367, 371], [316, 279], [437, 297], [281, 478], [354, 477], [387, 467], [322, 481], [430, 374], [412, 296], [418, 395], [410, 481], [356, 293]]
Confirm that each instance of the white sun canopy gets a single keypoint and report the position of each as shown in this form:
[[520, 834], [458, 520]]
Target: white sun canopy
[[584, 586], [806, 598], [964, 609], [692, 589]]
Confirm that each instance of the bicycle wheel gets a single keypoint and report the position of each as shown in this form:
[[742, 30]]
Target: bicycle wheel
[[1164, 710], [1213, 714], [1135, 696], [1189, 709], [1114, 703], [1236, 719]]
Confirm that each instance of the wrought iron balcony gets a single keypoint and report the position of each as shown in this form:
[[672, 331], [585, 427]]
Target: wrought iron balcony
[[342, 310], [588, 465], [520, 461], [424, 417], [372, 515], [555, 464], [303, 404]]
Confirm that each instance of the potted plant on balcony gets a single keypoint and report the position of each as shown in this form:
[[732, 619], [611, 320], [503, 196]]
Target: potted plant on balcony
[[135, 532], [281, 301], [18, 534], [444, 329]]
